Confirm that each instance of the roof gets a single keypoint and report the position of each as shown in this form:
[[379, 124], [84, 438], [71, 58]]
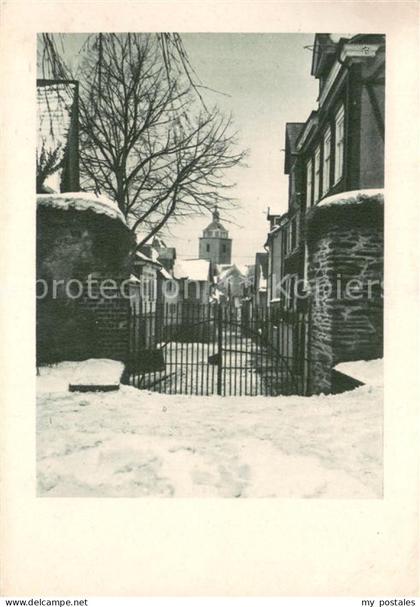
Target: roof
[[215, 224], [224, 270], [281, 220], [150, 251], [82, 201], [143, 258], [165, 274], [307, 129], [324, 51], [193, 269], [350, 198]]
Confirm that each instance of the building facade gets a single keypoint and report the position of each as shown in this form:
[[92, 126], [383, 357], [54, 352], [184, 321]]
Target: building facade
[[340, 148], [275, 246], [341, 145], [333, 226]]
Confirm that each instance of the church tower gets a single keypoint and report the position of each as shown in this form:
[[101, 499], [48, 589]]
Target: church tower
[[215, 244]]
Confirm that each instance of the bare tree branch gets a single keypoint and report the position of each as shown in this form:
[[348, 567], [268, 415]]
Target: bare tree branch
[[147, 138]]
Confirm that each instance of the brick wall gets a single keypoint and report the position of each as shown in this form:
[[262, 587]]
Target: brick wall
[[345, 272], [111, 320]]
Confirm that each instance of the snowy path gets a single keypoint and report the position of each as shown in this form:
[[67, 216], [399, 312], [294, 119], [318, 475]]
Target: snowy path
[[137, 443], [247, 369]]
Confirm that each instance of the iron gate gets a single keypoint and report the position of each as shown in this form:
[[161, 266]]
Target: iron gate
[[197, 349]]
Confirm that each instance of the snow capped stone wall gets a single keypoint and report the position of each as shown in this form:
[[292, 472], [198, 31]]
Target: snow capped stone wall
[[80, 238], [346, 246]]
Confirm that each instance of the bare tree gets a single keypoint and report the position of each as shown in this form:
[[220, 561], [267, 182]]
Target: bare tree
[[48, 162], [144, 139]]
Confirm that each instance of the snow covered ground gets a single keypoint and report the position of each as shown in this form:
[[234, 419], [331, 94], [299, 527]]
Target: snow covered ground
[[135, 443]]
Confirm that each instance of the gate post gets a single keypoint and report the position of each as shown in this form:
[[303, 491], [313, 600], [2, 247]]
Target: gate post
[[219, 348]]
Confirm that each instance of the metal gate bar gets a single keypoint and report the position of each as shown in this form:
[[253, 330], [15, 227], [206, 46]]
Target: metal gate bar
[[205, 349]]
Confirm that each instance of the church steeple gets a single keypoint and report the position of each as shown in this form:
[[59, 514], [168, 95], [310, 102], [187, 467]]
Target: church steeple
[[215, 244]]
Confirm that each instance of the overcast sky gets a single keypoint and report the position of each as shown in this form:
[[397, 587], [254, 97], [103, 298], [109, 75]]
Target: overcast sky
[[266, 80]]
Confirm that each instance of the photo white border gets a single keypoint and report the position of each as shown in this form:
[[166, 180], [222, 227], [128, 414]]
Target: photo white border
[[133, 547]]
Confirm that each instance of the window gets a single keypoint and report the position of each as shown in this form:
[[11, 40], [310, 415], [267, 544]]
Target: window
[[223, 248], [309, 183], [207, 248], [293, 234], [326, 167], [339, 145], [305, 265], [317, 171]]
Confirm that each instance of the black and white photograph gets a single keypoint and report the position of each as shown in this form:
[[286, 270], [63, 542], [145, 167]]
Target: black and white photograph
[[209, 265]]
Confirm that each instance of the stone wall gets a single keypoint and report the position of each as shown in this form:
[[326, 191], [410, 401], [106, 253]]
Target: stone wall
[[345, 246], [111, 318], [75, 320], [320, 272]]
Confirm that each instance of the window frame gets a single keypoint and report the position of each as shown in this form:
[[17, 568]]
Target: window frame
[[326, 161], [309, 182], [317, 174], [339, 122]]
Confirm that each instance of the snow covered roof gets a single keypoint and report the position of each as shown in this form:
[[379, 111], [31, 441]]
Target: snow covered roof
[[145, 259], [244, 269], [337, 37], [273, 230], [194, 269], [164, 272], [352, 197], [228, 268], [347, 210], [223, 271], [82, 201], [149, 250]]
